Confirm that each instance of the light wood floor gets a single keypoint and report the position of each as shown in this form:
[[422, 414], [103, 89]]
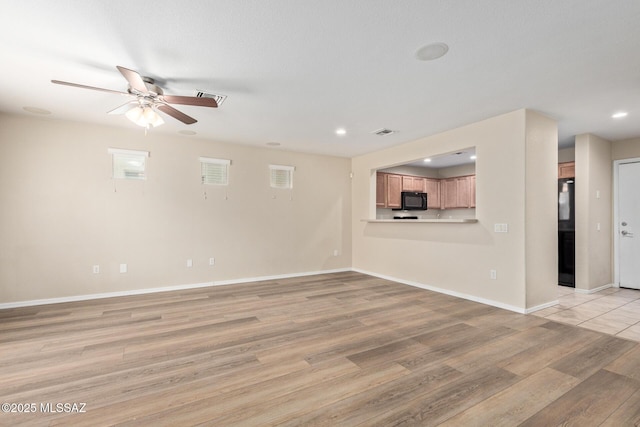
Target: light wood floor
[[341, 349]]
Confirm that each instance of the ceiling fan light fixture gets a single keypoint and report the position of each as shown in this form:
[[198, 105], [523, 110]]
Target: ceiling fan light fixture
[[152, 117], [144, 116], [134, 114]]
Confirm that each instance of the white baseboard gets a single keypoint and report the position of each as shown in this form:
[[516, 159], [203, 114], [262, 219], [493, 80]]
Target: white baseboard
[[447, 292], [593, 291], [162, 289], [541, 307], [276, 277]]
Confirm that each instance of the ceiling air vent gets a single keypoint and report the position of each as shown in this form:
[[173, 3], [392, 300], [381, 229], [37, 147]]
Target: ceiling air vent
[[383, 132], [219, 98]]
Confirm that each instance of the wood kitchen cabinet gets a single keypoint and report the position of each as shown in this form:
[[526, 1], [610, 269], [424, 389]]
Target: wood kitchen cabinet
[[450, 193], [432, 188], [457, 192], [381, 190], [394, 190], [413, 183], [388, 190], [567, 170], [449, 189]]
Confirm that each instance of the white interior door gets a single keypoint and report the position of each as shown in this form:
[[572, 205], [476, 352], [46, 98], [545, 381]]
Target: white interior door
[[628, 224]]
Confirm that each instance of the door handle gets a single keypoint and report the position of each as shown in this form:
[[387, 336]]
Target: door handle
[[626, 233]]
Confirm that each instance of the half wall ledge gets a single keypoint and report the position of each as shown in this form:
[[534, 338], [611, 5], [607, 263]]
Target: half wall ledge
[[436, 221]]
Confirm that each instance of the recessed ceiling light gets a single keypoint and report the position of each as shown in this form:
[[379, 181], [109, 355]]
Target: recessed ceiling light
[[341, 131], [473, 157], [186, 132], [431, 51], [36, 110], [619, 115], [427, 160], [273, 144]]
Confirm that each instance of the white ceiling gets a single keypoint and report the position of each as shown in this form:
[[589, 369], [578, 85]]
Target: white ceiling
[[296, 70]]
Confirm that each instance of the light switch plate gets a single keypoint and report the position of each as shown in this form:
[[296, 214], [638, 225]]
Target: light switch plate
[[500, 228]]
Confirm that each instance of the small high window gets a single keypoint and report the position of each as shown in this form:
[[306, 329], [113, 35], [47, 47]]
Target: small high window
[[214, 171], [281, 176], [128, 164]]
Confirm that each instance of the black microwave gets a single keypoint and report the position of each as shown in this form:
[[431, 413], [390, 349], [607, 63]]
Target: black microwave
[[413, 201]]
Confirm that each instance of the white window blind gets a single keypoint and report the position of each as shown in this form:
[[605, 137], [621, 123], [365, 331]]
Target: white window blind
[[128, 164], [214, 171], [281, 176]]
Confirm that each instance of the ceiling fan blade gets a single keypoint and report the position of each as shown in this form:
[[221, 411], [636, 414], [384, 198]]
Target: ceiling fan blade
[[59, 82], [190, 100], [124, 108], [167, 109], [134, 79]]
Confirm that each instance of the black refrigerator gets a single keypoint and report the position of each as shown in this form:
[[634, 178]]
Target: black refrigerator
[[566, 232]]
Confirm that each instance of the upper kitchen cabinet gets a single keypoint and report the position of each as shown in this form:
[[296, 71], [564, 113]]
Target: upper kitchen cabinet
[[413, 183], [448, 179], [432, 188], [381, 190], [394, 190], [388, 190], [458, 192], [567, 170]]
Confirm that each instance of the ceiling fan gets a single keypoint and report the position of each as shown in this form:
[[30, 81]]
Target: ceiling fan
[[149, 98]]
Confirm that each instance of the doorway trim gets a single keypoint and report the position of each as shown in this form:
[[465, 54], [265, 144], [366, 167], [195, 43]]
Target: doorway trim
[[616, 220]]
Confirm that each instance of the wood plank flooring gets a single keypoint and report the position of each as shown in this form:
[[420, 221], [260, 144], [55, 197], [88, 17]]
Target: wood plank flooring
[[341, 349]]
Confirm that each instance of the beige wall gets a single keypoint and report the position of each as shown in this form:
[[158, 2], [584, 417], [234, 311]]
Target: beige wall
[[627, 149], [566, 155], [62, 213], [461, 170], [593, 207], [541, 214], [458, 257]]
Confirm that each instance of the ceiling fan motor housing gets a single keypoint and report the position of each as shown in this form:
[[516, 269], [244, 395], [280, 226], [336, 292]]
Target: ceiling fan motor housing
[[151, 87]]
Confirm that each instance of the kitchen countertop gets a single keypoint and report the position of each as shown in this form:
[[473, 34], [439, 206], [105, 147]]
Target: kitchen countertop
[[434, 220]]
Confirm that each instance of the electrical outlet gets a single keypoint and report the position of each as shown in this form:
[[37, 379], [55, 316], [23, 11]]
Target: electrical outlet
[[96, 269], [123, 268], [189, 263], [212, 261], [493, 274], [335, 252]]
